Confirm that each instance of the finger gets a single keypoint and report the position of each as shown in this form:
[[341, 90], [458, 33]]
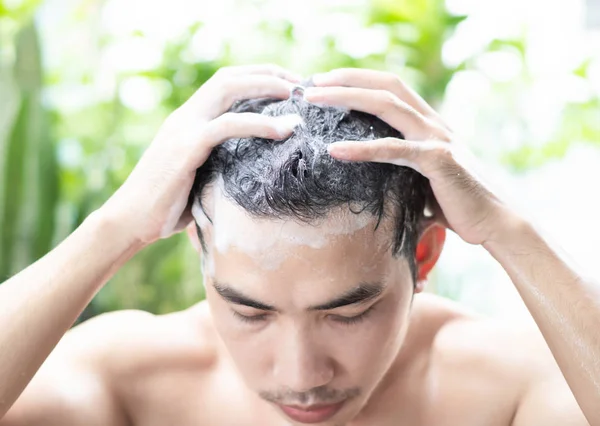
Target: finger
[[266, 69], [417, 155], [217, 96], [387, 150], [381, 103], [377, 80], [245, 125]]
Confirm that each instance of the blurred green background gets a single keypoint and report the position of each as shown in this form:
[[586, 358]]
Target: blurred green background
[[85, 84]]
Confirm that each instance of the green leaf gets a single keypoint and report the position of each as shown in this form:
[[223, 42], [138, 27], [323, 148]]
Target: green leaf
[[454, 20], [582, 69], [498, 44], [28, 72], [48, 195], [30, 187], [13, 189]]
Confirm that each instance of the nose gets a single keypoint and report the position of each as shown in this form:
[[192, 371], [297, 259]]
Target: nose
[[301, 362]]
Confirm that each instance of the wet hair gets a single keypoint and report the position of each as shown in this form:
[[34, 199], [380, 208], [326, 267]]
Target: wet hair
[[296, 178]]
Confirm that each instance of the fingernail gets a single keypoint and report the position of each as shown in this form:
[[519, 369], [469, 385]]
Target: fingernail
[[319, 79], [311, 93], [339, 150], [287, 123], [296, 78]]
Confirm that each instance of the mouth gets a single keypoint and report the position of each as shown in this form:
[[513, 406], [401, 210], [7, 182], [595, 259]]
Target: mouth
[[311, 414]]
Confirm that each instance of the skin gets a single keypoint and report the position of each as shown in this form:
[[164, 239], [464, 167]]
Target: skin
[[428, 362], [302, 356]]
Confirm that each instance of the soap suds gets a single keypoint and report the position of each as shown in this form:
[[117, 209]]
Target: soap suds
[[268, 240]]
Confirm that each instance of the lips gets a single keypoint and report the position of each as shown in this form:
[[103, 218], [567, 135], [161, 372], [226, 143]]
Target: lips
[[311, 414]]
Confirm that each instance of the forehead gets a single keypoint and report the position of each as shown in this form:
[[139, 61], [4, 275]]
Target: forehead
[[341, 239]]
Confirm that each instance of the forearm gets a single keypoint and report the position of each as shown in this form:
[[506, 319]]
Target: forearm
[[38, 305], [564, 304]]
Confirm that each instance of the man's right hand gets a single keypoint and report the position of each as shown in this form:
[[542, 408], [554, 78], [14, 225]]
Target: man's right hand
[[152, 203], [40, 303]]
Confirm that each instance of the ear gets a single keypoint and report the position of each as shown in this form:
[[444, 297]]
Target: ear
[[193, 236], [428, 252]]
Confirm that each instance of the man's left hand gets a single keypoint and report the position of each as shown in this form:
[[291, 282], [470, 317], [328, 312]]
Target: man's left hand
[[465, 204]]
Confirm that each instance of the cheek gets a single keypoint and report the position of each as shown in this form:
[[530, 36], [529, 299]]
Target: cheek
[[247, 349], [231, 329], [368, 348], [392, 327]]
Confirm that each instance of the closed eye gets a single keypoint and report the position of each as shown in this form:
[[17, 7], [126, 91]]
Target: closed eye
[[353, 319], [251, 319]]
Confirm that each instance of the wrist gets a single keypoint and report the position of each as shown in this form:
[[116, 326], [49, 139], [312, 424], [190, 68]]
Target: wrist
[[512, 232], [107, 225]]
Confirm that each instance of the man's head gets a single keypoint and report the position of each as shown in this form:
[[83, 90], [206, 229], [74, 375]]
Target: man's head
[[310, 263]]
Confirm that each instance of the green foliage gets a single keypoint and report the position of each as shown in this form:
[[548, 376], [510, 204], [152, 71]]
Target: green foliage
[[165, 276], [29, 183], [418, 31], [58, 166], [579, 123], [21, 12]]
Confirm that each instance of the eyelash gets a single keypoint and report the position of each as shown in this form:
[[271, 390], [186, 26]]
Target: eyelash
[[339, 319], [355, 319], [249, 319]]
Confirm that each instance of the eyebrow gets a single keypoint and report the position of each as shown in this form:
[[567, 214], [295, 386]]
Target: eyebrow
[[362, 293], [234, 296]]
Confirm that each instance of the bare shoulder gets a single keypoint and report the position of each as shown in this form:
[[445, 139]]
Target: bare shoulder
[[516, 350], [485, 366], [109, 366], [74, 385], [124, 342], [151, 362]]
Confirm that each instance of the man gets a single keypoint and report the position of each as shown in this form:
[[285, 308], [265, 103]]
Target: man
[[314, 253]]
